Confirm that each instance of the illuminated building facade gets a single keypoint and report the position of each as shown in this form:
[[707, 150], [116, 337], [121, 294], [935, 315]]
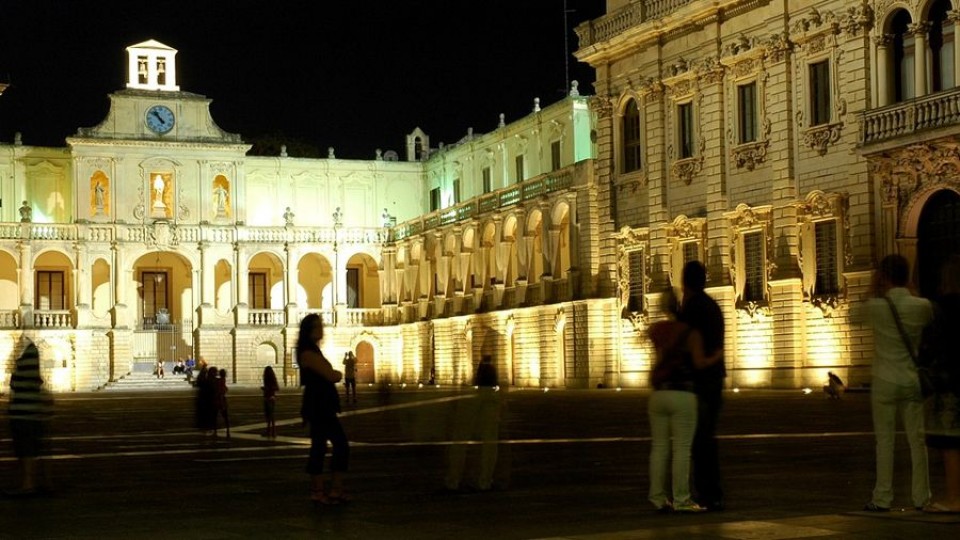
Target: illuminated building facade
[[154, 236], [787, 145]]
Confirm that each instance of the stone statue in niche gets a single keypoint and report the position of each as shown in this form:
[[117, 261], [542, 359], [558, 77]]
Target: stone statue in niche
[[99, 194], [26, 213], [158, 187], [220, 199], [288, 217]]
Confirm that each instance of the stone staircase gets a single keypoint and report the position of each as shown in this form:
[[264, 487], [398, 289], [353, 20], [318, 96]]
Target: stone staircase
[[138, 381]]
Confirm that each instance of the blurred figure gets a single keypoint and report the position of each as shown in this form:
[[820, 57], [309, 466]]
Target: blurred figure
[[672, 408], [896, 318], [206, 400], [703, 314], [159, 369], [477, 418], [942, 420], [350, 376], [30, 409], [321, 405], [221, 398], [834, 388], [270, 388]]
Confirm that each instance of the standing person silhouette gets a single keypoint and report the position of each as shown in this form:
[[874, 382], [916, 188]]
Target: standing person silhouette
[[321, 404], [897, 318], [270, 388], [703, 314], [222, 409], [29, 411], [350, 376]]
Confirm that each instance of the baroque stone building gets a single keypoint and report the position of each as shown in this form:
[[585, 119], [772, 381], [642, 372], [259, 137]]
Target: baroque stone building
[[787, 145], [154, 236]]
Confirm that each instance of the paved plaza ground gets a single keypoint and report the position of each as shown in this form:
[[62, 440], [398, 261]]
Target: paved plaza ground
[[572, 464]]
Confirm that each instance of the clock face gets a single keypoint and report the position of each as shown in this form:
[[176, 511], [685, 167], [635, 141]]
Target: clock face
[[160, 119]]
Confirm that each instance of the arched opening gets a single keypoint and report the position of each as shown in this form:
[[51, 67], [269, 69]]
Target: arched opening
[[164, 303], [363, 282], [903, 56], [535, 257], [938, 237], [9, 290], [265, 282], [100, 286], [52, 290], [942, 50], [223, 287], [366, 365], [631, 137], [266, 356]]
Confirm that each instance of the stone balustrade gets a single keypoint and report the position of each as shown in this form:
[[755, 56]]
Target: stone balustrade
[[9, 318], [52, 318], [625, 18], [266, 317], [924, 113]]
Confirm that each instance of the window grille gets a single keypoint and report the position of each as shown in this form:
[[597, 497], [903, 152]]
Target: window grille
[[753, 266], [518, 162], [456, 191], [631, 138], [635, 270], [434, 199], [487, 181], [826, 257], [691, 252]]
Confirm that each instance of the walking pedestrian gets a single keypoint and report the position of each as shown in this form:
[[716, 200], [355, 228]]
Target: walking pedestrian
[[896, 318], [221, 393], [321, 404], [703, 314]]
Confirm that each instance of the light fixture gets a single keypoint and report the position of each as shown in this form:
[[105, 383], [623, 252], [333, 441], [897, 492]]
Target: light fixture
[[157, 276]]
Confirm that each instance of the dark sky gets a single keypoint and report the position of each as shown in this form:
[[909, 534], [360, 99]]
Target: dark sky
[[353, 75]]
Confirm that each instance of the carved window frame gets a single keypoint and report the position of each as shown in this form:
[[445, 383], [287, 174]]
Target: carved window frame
[[820, 207], [743, 221], [817, 42], [683, 88], [745, 65], [630, 242], [638, 177]]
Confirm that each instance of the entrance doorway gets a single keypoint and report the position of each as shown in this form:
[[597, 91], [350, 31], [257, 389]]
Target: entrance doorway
[[365, 363], [938, 237]]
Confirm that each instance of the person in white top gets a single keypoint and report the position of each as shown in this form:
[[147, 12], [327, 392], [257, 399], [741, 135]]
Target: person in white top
[[895, 386]]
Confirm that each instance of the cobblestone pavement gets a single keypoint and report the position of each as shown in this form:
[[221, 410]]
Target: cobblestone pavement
[[571, 464]]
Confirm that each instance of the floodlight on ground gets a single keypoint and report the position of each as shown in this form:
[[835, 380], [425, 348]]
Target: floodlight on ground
[[736, 390], [807, 391]]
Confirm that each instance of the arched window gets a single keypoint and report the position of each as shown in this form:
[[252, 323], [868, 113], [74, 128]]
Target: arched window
[[942, 51], [903, 57], [631, 138]]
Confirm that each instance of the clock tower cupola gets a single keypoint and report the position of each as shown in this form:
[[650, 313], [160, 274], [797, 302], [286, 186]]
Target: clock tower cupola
[[152, 66]]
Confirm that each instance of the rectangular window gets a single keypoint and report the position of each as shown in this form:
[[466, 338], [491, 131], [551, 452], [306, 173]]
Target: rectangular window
[[753, 262], [554, 155], [691, 252], [747, 110], [434, 199], [50, 291], [826, 246], [154, 286], [685, 129], [257, 286], [487, 180], [456, 191], [519, 168], [820, 93], [353, 288], [635, 266]]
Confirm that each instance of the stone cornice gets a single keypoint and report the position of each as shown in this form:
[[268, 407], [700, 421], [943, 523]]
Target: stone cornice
[[182, 145]]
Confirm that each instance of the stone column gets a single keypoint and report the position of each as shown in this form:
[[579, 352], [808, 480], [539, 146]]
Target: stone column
[[882, 44], [919, 31], [26, 284], [206, 312], [242, 280], [954, 17]]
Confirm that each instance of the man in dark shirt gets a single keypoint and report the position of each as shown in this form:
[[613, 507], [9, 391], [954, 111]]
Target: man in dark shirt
[[702, 313]]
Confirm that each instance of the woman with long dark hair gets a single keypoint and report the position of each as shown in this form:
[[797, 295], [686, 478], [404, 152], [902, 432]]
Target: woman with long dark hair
[[321, 403]]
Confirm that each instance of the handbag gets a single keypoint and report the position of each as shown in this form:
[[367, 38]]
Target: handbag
[[928, 386]]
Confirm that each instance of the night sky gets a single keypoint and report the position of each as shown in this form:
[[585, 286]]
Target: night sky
[[352, 75]]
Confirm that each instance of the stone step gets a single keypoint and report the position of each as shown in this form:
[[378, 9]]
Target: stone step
[[137, 381]]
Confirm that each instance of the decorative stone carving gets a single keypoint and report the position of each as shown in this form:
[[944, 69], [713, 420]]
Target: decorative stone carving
[[686, 169], [822, 136], [602, 105], [679, 67], [683, 228], [749, 155], [777, 46], [857, 19], [905, 172]]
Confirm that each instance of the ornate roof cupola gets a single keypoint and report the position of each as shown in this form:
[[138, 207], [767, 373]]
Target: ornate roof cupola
[[152, 66]]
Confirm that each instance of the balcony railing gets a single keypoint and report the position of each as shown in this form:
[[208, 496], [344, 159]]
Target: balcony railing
[[9, 318], [364, 317], [916, 115], [633, 14], [52, 318], [265, 317]]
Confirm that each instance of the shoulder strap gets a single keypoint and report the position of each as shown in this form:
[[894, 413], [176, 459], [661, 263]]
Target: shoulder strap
[[903, 333]]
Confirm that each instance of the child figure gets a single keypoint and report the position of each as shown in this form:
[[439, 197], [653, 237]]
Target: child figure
[[270, 388], [222, 399]]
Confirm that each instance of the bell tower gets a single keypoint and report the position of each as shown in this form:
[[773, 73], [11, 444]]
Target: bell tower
[[152, 65]]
